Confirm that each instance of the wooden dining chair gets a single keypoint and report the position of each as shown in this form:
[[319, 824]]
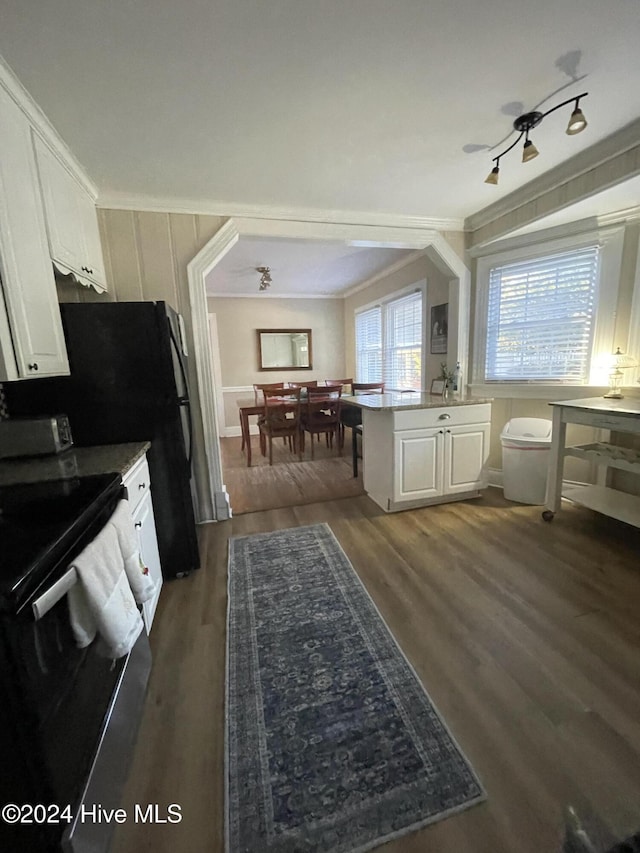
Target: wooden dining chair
[[281, 419], [351, 416], [346, 384], [258, 399], [269, 386], [311, 383], [367, 388], [321, 414]]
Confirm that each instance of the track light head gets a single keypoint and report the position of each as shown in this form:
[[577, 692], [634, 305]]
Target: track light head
[[529, 151], [577, 122], [494, 174]]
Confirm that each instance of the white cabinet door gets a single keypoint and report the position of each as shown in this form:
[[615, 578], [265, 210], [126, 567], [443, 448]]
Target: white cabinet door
[[146, 529], [62, 209], [417, 464], [72, 221], [31, 339], [466, 449], [93, 247]]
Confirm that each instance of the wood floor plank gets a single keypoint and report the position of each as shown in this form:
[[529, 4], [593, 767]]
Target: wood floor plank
[[524, 634], [288, 482]]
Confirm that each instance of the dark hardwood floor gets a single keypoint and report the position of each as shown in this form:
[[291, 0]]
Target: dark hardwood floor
[[525, 635], [289, 481]]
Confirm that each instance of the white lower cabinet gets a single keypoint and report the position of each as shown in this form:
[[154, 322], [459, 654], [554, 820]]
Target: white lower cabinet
[[425, 456], [145, 525], [139, 488], [433, 462], [418, 468], [466, 450]]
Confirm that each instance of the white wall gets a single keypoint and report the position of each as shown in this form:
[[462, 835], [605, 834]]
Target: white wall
[[238, 319]]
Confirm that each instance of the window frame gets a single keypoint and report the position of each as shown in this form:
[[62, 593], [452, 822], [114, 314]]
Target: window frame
[[383, 303], [610, 240]]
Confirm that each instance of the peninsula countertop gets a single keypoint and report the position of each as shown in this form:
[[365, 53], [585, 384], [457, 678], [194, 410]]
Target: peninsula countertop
[[398, 401], [73, 462]]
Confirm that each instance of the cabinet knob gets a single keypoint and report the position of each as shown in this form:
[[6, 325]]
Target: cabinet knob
[[142, 485], [33, 366], [444, 416], [138, 524], [90, 271]]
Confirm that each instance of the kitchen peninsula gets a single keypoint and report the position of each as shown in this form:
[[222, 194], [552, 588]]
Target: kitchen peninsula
[[419, 449]]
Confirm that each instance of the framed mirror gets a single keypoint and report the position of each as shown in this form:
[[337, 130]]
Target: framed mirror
[[284, 349]]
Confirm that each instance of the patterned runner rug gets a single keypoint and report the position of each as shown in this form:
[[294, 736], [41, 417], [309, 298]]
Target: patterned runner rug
[[332, 742]]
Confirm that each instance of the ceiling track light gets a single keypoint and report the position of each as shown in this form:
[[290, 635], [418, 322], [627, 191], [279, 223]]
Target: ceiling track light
[[265, 277], [526, 122]]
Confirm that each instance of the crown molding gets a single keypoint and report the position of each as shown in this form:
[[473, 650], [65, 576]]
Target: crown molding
[[267, 295], [168, 204], [584, 161], [42, 126], [385, 273]]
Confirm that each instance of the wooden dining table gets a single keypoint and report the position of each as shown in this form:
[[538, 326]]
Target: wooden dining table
[[247, 410]]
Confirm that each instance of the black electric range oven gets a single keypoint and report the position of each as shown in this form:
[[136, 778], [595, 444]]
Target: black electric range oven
[[68, 717]]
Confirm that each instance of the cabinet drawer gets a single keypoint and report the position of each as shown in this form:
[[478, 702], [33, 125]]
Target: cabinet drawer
[[445, 416], [137, 482]]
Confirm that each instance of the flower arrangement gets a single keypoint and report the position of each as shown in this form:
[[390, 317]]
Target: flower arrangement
[[446, 375]]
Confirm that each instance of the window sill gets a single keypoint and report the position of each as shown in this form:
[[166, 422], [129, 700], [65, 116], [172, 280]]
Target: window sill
[[531, 391]]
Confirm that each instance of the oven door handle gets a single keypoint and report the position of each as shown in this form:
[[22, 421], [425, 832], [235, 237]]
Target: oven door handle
[[43, 604]]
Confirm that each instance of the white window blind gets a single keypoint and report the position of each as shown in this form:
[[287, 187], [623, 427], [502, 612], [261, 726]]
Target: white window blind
[[402, 362], [540, 317], [369, 345], [389, 343]]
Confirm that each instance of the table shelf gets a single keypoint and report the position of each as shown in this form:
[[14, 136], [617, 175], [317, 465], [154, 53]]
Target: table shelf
[[608, 501], [611, 455]]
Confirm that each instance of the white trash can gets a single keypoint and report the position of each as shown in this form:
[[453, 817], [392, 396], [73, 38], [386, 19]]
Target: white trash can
[[526, 443]]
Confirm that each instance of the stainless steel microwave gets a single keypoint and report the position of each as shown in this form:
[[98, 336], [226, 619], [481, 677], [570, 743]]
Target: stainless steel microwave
[[36, 436]]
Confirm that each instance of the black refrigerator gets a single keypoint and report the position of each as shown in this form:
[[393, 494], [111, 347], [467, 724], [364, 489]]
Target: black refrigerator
[[129, 383]]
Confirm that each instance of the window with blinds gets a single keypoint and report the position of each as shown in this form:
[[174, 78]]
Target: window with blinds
[[389, 343], [369, 345], [541, 316], [402, 362]]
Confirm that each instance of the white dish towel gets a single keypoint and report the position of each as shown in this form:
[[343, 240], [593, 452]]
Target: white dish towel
[[111, 578]]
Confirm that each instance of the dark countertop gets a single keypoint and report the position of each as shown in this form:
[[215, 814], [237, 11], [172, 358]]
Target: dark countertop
[[74, 462]]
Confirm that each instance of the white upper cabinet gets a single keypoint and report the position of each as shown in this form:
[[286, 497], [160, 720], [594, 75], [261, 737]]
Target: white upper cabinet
[[71, 218], [31, 340]]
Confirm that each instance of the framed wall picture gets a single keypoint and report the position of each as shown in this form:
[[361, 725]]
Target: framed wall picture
[[439, 328]]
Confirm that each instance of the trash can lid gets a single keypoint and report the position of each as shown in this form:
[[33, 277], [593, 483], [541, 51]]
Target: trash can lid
[[531, 430]]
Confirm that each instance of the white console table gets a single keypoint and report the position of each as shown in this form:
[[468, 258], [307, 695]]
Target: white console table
[[620, 415]]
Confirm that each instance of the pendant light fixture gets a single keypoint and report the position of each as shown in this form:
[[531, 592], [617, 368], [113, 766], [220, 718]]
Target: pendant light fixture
[[526, 122], [265, 277]]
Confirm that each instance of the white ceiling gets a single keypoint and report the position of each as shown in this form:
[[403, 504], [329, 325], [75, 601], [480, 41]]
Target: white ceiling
[[358, 107], [299, 267]]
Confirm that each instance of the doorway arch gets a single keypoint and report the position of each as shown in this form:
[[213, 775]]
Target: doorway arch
[[211, 496]]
